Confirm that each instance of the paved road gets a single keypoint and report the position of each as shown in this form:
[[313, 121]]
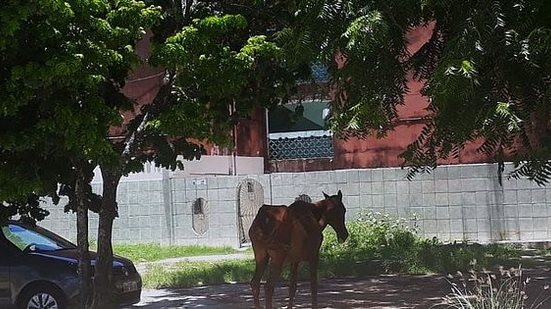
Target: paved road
[[383, 292]]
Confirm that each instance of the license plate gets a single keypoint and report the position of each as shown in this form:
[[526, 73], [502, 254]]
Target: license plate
[[129, 286]]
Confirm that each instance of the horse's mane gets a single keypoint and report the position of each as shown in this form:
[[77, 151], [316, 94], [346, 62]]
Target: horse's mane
[[308, 213], [316, 209]]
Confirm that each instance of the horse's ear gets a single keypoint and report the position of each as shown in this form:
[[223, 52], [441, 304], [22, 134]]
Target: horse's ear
[[339, 194], [325, 195]]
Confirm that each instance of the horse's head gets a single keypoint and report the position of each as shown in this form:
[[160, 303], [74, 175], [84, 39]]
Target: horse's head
[[334, 215]]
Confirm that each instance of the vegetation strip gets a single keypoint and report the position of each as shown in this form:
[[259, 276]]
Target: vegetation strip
[[377, 244], [156, 252]]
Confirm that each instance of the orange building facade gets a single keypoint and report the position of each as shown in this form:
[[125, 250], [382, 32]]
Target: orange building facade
[[253, 137], [370, 152]]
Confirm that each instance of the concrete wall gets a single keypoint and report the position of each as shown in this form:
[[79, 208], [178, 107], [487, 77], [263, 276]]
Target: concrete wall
[[156, 207], [224, 165], [455, 202]]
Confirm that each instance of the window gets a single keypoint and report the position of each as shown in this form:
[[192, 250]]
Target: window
[[300, 117], [27, 239], [298, 131]]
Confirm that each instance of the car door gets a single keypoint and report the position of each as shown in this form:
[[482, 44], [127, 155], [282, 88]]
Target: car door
[[6, 259]]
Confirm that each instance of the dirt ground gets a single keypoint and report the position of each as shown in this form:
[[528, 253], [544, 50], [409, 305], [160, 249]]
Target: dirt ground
[[380, 292]]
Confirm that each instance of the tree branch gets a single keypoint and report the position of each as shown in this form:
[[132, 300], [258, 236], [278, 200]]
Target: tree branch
[[131, 142]]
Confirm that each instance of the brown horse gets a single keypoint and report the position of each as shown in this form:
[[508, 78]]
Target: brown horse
[[293, 234]]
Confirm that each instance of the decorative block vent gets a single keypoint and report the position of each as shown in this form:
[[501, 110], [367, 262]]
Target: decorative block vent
[[301, 148], [320, 73]]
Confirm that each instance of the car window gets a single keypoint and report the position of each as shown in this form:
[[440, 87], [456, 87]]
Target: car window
[[24, 238]]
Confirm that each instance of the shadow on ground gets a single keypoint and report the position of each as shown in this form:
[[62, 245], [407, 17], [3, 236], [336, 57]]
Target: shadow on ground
[[377, 292]]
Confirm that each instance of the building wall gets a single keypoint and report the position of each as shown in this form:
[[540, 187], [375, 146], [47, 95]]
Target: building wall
[[251, 134], [456, 202]]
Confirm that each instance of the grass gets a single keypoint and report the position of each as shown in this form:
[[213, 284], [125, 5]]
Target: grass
[[155, 252], [377, 244], [189, 274]]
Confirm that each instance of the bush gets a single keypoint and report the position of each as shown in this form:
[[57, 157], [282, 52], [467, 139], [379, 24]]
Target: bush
[[379, 243]]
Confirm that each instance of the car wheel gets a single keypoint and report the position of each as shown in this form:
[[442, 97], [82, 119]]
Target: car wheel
[[42, 297]]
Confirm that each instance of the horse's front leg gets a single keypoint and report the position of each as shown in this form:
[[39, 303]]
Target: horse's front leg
[[314, 282], [276, 264], [261, 259], [292, 284]]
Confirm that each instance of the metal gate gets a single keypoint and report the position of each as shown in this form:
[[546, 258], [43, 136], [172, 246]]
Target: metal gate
[[250, 198]]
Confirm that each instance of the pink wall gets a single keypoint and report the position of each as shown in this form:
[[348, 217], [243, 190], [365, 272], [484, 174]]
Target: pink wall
[[373, 152], [352, 153], [142, 86]]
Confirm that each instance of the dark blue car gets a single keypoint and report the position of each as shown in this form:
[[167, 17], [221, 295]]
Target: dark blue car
[[38, 269]]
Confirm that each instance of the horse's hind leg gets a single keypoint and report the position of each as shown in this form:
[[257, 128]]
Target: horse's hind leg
[[314, 282], [261, 259], [292, 285], [276, 265]]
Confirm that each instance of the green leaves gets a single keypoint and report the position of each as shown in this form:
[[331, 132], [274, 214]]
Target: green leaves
[[62, 64], [212, 25], [258, 47], [367, 30], [220, 74], [465, 69], [484, 59], [480, 54]]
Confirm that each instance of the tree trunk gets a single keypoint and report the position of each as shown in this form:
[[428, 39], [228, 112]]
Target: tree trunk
[[82, 239], [103, 283]]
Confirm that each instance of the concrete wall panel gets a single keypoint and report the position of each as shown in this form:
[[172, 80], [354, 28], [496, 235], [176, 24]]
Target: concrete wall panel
[[455, 202]]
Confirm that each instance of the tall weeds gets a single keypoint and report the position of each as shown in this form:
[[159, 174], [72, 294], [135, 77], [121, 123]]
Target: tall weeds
[[505, 289]]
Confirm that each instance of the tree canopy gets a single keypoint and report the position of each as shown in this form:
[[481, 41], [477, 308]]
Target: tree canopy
[[61, 67], [63, 64], [485, 71]]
